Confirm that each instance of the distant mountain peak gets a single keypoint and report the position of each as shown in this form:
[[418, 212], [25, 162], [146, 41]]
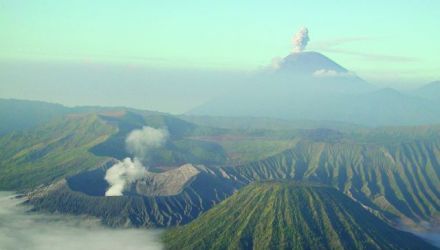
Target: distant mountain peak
[[434, 84], [309, 63], [429, 91]]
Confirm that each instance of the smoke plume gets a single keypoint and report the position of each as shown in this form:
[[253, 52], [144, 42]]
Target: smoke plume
[[123, 173], [300, 40], [139, 143]]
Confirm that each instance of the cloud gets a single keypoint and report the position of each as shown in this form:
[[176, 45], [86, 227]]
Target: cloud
[[425, 230], [331, 73], [431, 237], [333, 45], [276, 62], [20, 229], [122, 174], [373, 56], [140, 141], [300, 40]]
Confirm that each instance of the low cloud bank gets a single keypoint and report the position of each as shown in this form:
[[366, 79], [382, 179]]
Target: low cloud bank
[[424, 230], [431, 237], [35, 231]]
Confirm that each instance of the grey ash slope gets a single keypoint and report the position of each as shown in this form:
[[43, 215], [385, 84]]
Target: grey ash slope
[[198, 195]]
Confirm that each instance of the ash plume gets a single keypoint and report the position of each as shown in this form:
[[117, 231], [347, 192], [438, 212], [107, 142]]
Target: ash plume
[[139, 143], [300, 40]]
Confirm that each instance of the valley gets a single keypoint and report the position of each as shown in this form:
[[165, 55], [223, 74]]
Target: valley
[[392, 172]]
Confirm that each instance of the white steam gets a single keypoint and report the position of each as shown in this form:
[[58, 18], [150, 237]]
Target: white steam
[[122, 174], [139, 143], [300, 40]]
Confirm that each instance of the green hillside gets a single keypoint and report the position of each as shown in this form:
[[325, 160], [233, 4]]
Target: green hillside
[[399, 179], [17, 115], [280, 215], [51, 152], [84, 140], [179, 148], [394, 171]]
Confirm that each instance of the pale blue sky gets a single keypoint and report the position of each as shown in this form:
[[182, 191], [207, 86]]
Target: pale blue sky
[[386, 42]]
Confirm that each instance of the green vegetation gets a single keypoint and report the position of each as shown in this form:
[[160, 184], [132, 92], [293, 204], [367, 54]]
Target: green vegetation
[[179, 149], [261, 123], [274, 215], [395, 172], [17, 115], [84, 138], [254, 149], [399, 181], [402, 179], [51, 152]]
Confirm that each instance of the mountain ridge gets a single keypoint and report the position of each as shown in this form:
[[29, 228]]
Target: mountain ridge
[[286, 215]]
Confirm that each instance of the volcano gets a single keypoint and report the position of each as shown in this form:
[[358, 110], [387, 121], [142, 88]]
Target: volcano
[[286, 215], [311, 86], [308, 63]]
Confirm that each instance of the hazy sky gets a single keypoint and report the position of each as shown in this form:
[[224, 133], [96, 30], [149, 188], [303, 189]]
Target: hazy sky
[[386, 42]]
